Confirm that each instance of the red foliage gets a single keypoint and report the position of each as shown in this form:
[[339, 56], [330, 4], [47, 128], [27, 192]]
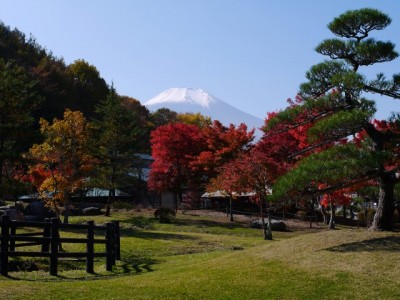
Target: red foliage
[[36, 175], [174, 147], [339, 197], [223, 145], [336, 198]]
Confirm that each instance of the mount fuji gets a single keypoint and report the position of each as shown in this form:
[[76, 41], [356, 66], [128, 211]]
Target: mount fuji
[[193, 100]]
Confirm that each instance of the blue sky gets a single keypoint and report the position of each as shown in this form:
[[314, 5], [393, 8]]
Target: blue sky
[[251, 54]]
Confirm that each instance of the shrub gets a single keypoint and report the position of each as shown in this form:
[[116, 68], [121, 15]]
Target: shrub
[[165, 214]]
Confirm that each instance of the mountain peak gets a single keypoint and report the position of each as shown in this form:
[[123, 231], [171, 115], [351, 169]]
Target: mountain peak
[[194, 96], [194, 100]]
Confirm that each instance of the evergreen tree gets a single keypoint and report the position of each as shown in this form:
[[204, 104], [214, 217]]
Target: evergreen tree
[[332, 105], [117, 129], [17, 103], [163, 116]]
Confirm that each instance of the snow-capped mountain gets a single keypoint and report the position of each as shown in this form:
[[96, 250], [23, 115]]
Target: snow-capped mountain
[[193, 100]]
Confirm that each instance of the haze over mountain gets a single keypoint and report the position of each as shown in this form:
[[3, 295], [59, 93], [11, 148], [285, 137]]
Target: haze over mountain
[[194, 100]]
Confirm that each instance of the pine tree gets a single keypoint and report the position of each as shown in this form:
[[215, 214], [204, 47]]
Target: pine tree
[[333, 106], [116, 138]]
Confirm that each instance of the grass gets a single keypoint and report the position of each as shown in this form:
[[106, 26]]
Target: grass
[[206, 257]]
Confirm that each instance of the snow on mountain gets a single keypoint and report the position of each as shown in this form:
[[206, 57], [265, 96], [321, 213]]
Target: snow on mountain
[[193, 100]]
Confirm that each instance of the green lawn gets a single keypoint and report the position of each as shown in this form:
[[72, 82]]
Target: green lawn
[[206, 257]]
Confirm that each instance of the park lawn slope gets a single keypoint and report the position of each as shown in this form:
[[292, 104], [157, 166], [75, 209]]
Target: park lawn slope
[[350, 264]]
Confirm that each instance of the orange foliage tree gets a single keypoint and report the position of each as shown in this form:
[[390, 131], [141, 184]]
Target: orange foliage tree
[[60, 165]]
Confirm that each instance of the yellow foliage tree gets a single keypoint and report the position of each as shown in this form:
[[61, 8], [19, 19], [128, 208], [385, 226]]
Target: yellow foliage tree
[[61, 164], [194, 119]]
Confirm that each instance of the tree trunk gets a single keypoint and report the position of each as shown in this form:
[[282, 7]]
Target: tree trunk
[[269, 232], [312, 212], [66, 208], [344, 212], [351, 212], [323, 212], [230, 208], [110, 199], [56, 209], [384, 212], [332, 218], [264, 228], [66, 213], [176, 196]]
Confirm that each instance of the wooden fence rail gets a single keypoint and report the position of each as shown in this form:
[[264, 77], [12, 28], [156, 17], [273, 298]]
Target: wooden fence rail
[[49, 239]]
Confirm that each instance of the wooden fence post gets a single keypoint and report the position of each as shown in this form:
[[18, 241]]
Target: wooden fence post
[[5, 237], [117, 241], [46, 234], [54, 246], [90, 247], [13, 231], [110, 246]]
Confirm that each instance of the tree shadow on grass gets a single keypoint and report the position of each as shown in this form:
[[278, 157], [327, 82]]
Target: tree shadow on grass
[[207, 223], [147, 223], [160, 236], [140, 221], [138, 264], [390, 243], [131, 265]]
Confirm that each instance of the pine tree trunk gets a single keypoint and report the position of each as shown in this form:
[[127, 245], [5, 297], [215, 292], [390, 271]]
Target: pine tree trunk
[[384, 212], [110, 199], [323, 212], [332, 218]]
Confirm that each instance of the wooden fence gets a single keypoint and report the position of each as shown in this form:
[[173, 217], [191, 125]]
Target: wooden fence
[[49, 239]]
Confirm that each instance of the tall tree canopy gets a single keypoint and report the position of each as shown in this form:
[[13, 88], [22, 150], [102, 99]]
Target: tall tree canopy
[[89, 87], [332, 107], [117, 130], [163, 116], [18, 100], [186, 156], [174, 147], [224, 144], [77, 86]]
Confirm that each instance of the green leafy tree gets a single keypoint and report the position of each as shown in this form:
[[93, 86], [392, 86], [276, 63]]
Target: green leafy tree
[[163, 116], [142, 119], [332, 106], [117, 131], [89, 87], [18, 100]]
